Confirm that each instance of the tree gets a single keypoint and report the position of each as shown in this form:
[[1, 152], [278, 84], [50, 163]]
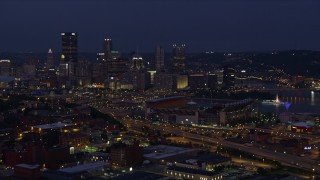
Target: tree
[[219, 168], [261, 171], [104, 136], [239, 136], [51, 138], [224, 135]]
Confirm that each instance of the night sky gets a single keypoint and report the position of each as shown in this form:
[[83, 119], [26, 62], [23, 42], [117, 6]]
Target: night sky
[[217, 25]]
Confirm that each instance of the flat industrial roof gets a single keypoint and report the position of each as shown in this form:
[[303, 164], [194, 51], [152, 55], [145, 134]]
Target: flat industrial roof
[[53, 125], [28, 166], [212, 158], [139, 175], [83, 167], [167, 98], [163, 151], [192, 171]]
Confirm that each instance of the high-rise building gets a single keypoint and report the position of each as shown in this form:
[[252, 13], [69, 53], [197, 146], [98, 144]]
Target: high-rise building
[[141, 80], [228, 76], [50, 59], [126, 155], [197, 81], [63, 67], [107, 48], [117, 66], [212, 81], [178, 59], [159, 59], [5, 68], [99, 69], [137, 63], [70, 46], [101, 57], [70, 51]]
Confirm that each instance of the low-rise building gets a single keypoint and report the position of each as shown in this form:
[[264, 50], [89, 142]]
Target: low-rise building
[[27, 171], [126, 155], [168, 154], [76, 140], [177, 172]]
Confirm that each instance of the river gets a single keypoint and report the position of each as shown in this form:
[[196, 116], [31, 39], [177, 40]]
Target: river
[[302, 101]]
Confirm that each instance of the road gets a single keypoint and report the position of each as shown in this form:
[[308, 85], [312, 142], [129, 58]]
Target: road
[[283, 158]]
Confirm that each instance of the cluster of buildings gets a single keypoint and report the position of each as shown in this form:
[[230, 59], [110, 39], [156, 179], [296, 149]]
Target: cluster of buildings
[[183, 111], [111, 70], [186, 163], [301, 122]]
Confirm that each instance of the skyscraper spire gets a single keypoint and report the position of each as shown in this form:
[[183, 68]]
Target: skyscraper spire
[[50, 59], [107, 48]]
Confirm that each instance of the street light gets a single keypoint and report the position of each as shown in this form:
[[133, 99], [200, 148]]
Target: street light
[[313, 173]]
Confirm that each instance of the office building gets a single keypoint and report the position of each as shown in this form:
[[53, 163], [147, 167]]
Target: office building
[[178, 59], [141, 80], [170, 82], [84, 73], [164, 81], [107, 48], [212, 81], [101, 57], [197, 81], [228, 77], [116, 67], [159, 59], [70, 46], [126, 155], [181, 82], [50, 59], [5, 67], [137, 63], [63, 67], [70, 51]]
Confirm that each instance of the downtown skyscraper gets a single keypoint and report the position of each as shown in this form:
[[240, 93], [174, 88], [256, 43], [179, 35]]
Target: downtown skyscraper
[[178, 58], [50, 59], [69, 42], [70, 46], [159, 59], [107, 48]]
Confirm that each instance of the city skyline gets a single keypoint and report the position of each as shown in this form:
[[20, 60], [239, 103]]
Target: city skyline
[[203, 26], [160, 89]]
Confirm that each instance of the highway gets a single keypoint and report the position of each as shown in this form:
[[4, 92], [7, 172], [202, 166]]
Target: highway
[[285, 159]]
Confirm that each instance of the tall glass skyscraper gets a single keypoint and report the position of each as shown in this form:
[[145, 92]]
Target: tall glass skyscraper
[[70, 46], [50, 59], [107, 48], [178, 59], [159, 59]]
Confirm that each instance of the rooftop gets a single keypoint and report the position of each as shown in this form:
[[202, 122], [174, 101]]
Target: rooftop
[[192, 171], [139, 175], [6, 79], [163, 151], [167, 98], [211, 158], [57, 125], [28, 166], [83, 167]]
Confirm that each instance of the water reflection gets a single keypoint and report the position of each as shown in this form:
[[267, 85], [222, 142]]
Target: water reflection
[[302, 101], [312, 98]]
